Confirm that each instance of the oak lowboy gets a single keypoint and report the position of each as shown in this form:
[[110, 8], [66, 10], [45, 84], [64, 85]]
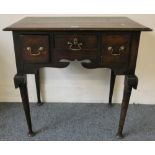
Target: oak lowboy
[[107, 42]]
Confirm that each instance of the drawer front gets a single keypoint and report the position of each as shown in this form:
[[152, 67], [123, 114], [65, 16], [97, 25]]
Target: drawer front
[[35, 48], [76, 42], [115, 48], [75, 46]]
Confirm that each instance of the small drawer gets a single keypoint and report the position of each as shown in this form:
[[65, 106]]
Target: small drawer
[[115, 48], [77, 46], [76, 42], [35, 48]]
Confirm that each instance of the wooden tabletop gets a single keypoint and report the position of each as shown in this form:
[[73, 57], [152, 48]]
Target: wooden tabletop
[[76, 23]]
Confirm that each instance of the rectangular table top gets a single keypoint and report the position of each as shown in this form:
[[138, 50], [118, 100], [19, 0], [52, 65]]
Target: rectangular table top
[[77, 23]]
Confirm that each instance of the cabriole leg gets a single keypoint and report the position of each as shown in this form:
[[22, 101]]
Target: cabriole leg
[[21, 83], [37, 79], [131, 81], [112, 83]]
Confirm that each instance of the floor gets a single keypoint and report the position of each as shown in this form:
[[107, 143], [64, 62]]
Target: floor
[[76, 122]]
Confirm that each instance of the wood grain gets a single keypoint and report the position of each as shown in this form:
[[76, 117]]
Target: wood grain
[[77, 23]]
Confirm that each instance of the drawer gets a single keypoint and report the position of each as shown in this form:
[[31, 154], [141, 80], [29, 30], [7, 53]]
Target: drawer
[[115, 48], [35, 48], [76, 42], [75, 46]]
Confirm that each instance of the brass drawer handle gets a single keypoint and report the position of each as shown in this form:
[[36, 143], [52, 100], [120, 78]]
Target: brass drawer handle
[[75, 46], [29, 50], [121, 49]]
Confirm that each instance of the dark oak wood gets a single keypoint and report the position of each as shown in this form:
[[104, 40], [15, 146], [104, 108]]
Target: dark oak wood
[[85, 48], [77, 23], [21, 82], [37, 80], [89, 41], [105, 42], [31, 47], [112, 83], [131, 81], [116, 41]]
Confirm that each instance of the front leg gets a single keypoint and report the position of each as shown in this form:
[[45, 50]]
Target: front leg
[[112, 83], [37, 79], [21, 83], [131, 81]]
